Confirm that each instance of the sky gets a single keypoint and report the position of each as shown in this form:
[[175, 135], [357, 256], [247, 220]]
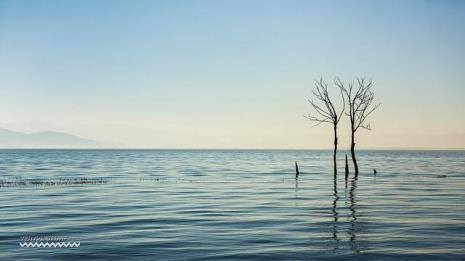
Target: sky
[[231, 74]]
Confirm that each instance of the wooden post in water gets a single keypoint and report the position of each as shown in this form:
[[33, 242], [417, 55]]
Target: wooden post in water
[[347, 169], [296, 170]]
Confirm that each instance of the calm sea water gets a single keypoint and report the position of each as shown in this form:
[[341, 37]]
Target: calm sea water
[[231, 204]]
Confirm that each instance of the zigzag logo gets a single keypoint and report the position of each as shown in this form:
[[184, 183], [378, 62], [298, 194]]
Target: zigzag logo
[[49, 244]]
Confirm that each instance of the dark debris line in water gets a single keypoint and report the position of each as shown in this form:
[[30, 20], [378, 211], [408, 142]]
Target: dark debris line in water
[[52, 182]]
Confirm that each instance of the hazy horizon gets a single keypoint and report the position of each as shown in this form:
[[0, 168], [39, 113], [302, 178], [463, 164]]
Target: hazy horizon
[[55, 144], [231, 74]]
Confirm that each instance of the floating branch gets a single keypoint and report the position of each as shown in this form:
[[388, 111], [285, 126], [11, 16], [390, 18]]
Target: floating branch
[[296, 170]]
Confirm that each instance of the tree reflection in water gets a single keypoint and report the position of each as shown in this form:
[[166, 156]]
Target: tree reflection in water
[[335, 215], [353, 216], [338, 212]]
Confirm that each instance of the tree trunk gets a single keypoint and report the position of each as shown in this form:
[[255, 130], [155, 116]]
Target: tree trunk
[[352, 153], [346, 169], [335, 150]]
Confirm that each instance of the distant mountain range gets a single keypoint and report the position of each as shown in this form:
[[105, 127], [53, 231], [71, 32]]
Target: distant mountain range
[[44, 139]]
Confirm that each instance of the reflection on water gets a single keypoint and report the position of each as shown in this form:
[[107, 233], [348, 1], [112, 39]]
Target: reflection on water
[[296, 184], [349, 205], [335, 215], [353, 215]]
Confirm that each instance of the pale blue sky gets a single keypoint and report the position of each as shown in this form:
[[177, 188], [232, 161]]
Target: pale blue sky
[[230, 73]]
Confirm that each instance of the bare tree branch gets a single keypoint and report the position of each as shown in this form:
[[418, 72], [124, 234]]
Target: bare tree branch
[[360, 103], [326, 111], [322, 104]]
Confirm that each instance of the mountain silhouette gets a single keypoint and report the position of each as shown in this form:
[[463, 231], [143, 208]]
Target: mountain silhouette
[[44, 139]]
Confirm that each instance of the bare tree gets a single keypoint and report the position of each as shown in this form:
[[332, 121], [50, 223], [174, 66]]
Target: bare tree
[[326, 112], [360, 103]]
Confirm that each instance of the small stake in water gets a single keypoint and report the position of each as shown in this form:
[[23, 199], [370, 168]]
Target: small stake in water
[[296, 170], [374, 172], [347, 169]]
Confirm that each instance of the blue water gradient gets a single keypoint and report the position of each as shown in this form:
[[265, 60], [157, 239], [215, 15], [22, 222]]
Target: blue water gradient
[[232, 204]]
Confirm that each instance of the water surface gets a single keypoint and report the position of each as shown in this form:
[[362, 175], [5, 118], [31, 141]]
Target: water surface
[[232, 204]]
